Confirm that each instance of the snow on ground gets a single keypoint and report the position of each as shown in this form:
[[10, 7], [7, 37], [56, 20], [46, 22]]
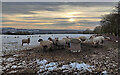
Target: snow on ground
[[51, 66], [45, 66], [13, 42]]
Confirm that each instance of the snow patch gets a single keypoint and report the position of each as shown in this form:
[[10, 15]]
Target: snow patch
[[42, 62], [104, 73], [14, 66], [10, 59], [45, 66]]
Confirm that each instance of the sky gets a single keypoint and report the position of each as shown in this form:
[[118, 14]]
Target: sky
[[59, 0], [54, 15]]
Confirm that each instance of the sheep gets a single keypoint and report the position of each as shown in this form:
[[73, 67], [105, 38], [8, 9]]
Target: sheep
[[95, 41], [53, 40], [60, 43], [57, 42], [46, 44], [67, 40], [107, 38], [25, 41], [98, 40], [82, 38], [91, 37], [17, 37], [89, 41]]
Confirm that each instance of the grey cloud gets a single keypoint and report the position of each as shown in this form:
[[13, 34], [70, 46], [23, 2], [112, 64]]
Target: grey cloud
[[25, 7], [89, 23], [59, 1], [89, 17]]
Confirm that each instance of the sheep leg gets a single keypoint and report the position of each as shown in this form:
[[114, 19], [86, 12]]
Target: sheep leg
[[45, 47], [101, 44], [95, 44], [22, 44], [68, 44], [102, 41], [50, 48]]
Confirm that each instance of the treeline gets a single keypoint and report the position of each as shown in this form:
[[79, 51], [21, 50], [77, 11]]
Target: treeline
[[18, 33], [110, 24], [87, 31]]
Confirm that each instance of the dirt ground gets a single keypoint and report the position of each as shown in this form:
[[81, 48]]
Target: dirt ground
[[104, 58]]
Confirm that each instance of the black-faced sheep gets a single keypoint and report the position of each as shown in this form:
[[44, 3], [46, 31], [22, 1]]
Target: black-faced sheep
[[46, 44], [82, 38], [26, 41], [58, 43], [53, 40]]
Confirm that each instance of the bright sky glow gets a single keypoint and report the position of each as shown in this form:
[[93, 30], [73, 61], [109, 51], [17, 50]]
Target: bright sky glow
[[40, 15]]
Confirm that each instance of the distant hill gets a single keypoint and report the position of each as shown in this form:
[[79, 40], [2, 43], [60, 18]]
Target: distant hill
[[40, 31]]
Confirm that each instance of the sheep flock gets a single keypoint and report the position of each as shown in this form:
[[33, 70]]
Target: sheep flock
[[49, 44]]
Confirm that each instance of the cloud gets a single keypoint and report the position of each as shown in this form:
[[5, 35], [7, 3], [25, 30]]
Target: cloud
[[54, 15], [59, 1], [25, 7]]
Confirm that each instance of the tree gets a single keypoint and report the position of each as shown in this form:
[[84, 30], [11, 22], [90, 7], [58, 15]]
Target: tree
[[97, 30], [111, 23], [87, 31]]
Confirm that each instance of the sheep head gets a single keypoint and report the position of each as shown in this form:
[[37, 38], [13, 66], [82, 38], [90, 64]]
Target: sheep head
[[40, 40], [107, 38], [67, 36], [28, 40], [50, 39]]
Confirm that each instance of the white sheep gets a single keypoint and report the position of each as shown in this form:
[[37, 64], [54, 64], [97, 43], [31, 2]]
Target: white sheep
[[25, 41], [91, 37], [98, 40], [107, 38], [46, 44], [88, 41]]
